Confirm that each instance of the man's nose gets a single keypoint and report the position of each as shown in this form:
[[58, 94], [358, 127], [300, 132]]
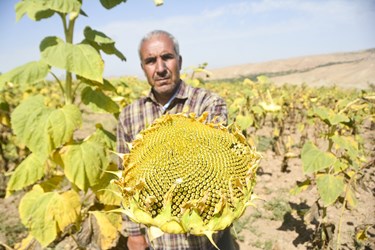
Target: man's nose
[[160, 65]]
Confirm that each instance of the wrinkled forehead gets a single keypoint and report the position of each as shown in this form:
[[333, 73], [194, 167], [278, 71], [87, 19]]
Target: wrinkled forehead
[[156, 45]]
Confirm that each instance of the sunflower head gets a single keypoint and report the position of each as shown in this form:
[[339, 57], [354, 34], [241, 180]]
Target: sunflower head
[[184, 175]]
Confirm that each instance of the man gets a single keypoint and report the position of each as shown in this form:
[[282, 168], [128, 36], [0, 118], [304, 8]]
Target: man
[[161, 63]]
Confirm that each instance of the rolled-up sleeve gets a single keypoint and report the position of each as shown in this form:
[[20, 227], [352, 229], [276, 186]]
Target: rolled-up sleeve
[[131, 228]]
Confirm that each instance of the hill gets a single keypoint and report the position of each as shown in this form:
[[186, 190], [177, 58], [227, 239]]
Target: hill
[[349, 70]]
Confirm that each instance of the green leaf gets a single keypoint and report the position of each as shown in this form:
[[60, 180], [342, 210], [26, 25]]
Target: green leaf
[[81, 59], [102, 42], [104, 137], [262, 79], [28, 73], [52, 183], [110, 49], [313, 159], [35, 9], [107, 192], [28, 123], [270, 107], [339, 166], [158, 2], [109, 4], [233, 109], [98, 101], [39, 9], [330, 187], [348, 144], [237, 104], [322, 112], [329, 116], [108, 86], [64, 6], [108, 231], [84, 163], [28, 172], [351, 198], [27, 202], [257, 110], [339, 118], [105, 86], [96, 36], [43, 129], [61, 124], [35, 216], [301, 186], [361, 236], [244, 121], [65, 208], [240, 101], [47, 213]]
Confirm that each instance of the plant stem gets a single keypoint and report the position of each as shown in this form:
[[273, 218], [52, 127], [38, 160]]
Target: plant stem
[[68, 31], [331, 132], [75, 89], [324, 220], [75, 241], [58, 81], [341, 215], [5, 246], [348, 105], [68, 88]]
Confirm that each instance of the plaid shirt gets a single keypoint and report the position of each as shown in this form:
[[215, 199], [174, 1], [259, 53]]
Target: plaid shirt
[[141, 113]]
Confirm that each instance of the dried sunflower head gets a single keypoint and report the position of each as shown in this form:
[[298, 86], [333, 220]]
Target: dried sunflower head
[[186, 176]]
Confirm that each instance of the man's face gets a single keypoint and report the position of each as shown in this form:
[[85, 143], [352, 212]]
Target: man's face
[[161, 65]]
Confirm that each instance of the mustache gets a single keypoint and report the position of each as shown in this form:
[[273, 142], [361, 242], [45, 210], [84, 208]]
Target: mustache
[[161, 78]]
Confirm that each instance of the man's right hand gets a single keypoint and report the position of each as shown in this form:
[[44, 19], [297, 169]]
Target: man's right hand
[[137, 242]]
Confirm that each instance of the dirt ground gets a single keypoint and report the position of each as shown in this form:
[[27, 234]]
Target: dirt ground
[[276, 221], [347, 70]]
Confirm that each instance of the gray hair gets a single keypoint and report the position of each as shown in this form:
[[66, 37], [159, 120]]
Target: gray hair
[[158, 33]]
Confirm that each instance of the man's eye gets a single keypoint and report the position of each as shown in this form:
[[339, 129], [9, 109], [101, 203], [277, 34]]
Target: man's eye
[[167, 57], [149, 60]]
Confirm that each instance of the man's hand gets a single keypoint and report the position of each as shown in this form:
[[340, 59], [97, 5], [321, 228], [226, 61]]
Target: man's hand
[[137, 242]]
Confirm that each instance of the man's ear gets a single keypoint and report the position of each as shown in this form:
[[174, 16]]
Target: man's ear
[[142, 66]]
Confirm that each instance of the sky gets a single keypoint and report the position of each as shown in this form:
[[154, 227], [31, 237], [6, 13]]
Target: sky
[[219, 32]]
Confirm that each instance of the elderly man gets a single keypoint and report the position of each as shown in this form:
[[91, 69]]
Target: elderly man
[[161, 62]]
